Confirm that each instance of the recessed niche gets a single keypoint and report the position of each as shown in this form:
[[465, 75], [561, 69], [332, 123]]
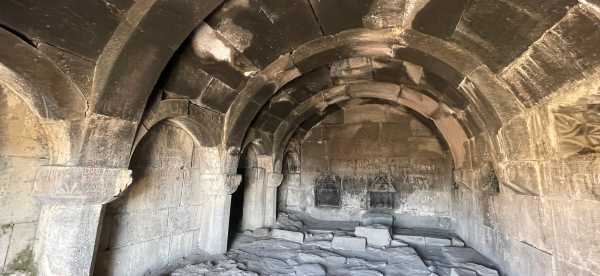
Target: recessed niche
[[328, 191]]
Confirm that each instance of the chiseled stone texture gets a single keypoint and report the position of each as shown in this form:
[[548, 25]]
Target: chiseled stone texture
[[349, 243], [159, 219], [22, 145], [364, 142]]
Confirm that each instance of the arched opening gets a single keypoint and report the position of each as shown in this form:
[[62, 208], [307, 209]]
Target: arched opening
[[371, 137], [384, 159], [156, 224], [23, 149]]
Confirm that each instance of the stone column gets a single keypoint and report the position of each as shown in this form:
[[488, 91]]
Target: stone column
[[253, 216], [72, 201], [216, 190], [273, 182]]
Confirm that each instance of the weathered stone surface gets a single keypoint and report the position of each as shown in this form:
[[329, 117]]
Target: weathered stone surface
[[378, 236], [510, 86], [349, 243], [430, 241], [288, 235], [80, 185], [559, 56], [310, 270]]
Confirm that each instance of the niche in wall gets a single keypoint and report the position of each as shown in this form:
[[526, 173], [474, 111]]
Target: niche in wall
[[328, 190], [381, 193]]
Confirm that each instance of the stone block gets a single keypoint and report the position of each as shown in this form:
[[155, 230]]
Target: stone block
[[137, 227], [184, 219], [288, 235], [376, 235], [457, 242], [516, 138], [523, 177], [462, 272], [480, 269], [410, 239], [429, 241], [349, 243], [377, 218], [146, 258], [310, 270], [154, 188], [396, 243], [581, 217], [181, 246]]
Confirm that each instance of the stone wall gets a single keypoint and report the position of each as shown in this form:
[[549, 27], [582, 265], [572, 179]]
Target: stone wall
[[544, 220], [22, 149], [373, 145], [157, 222]]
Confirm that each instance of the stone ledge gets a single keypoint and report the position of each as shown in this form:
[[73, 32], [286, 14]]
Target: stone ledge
[[80, 185]]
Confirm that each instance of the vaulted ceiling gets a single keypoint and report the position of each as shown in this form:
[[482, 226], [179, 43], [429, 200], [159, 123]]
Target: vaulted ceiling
[[275, 68]]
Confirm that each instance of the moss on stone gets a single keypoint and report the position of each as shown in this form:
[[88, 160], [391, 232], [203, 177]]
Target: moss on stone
[[5, 228], [23, 263]]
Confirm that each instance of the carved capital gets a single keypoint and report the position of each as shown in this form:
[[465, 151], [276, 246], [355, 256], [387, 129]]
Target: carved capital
[[217, 184], [80, 185], [275, 180]]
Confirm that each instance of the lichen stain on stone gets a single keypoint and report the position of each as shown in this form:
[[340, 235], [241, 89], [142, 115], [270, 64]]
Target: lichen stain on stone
[[22, 263], [5, 228]]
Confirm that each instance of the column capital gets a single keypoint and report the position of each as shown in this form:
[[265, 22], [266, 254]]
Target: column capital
[[80, 185], [216, 184], [275, 179]]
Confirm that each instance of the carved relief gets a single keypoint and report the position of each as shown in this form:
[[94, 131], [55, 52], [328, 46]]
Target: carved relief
[[578, 127], [381, 193], [80, 185], [328, 190]]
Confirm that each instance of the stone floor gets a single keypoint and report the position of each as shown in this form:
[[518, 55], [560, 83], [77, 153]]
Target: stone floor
[[301, 246]]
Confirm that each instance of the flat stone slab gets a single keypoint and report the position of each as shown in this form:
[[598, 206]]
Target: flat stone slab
[[349, 243], [457, 242], [377, 218], [480, 269], [288, 235], [410, 239], [310, 270], [462, 272], [397, 243], [437, 241], [377, 235]]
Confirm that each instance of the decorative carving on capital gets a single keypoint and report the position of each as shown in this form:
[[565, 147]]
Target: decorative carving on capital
[[275, 180], [232, 182], [216, 184], [80, 185]]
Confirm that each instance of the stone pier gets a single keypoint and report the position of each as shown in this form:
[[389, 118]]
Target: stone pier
[[217, 190], [72, 201]]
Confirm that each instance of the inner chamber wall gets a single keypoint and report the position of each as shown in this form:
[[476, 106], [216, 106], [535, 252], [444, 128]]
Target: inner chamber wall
[[372, 158]]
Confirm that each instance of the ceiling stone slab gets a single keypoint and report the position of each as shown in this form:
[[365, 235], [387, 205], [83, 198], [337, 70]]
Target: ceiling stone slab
[[216, 56], [184, 77], [439, 17], [80, 27], [218, 96], [138, 51], [564, 54], [499, 31], [38, 81], [264, 29], [335, 16]]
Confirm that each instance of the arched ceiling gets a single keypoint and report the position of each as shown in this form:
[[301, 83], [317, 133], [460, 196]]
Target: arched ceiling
[[257, 61]]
